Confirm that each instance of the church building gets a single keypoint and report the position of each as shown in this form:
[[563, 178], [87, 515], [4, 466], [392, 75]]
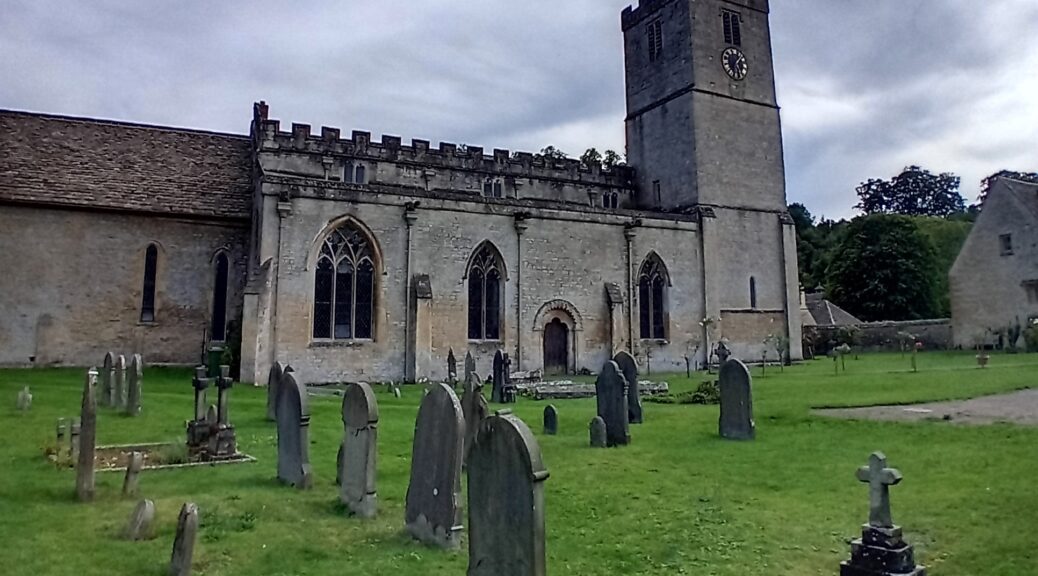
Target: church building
[[355, 257]]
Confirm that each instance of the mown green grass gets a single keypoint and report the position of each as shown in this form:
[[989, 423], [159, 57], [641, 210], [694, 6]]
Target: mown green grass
[[678, 500]]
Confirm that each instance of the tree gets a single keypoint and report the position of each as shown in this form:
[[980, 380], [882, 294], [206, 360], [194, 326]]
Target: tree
[[914, 192], [884, 268], [591, 157], [552, 153], [947, 237], [985, 184], [611, 159]]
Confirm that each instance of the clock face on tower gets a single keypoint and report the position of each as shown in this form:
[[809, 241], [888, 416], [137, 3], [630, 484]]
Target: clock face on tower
[[734, 63]]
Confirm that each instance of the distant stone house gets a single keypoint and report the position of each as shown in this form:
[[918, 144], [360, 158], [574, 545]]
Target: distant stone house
[[817, 311], [994, 282]]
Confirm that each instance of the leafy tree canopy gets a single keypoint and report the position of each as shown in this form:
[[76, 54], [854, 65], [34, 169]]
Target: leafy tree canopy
[[914, 192], [985, 184], [552, 153]]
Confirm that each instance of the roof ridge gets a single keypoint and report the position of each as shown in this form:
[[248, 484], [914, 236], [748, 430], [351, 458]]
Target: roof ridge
[[121, 123]]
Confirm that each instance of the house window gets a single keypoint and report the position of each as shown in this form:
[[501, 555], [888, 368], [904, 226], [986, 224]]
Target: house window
[[151, 261], [732, 27], [654, 33], [753, 293], [360, 175], [347, 173], [1005, 242], [610, 200], [344, 286], [484, 278], [653, 281], [218, 331], [493, 188], [1031, 286]]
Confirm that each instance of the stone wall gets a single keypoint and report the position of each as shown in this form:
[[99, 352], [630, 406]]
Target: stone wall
[[72, 284], [883, 336]]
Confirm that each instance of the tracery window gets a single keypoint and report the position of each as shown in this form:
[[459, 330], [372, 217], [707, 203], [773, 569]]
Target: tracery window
[[654, 39], [151, 260], [344, 286], [484, 277], [653, 282], [732, 22]]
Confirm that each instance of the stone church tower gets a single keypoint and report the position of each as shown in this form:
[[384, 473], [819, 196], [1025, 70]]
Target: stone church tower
[[704, 135]]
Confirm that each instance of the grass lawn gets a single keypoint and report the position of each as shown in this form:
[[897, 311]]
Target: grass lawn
[[678, 500]]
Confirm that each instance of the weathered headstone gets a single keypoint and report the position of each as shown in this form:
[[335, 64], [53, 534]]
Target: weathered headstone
[[625, 362], [434, 494], [452, 368], [273, 385], [475, 408], [499, 377], [135, 385], [73, 441], [551, 420], [87, 439], [141, 525], [470, 367], [119, 385], [24, 402], [610, 390], [134, 464], [736, 420], [60, 430], [360, 449], [184, 543], [108, 380], [881, 550], [506, 477], [597, 431], [294, 434]]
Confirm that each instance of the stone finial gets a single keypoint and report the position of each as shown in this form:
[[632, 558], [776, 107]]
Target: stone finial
[[880, 479]]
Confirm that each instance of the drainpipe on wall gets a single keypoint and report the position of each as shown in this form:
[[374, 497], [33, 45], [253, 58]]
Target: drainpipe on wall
[[520, 227], [629, 234], [410, 353]]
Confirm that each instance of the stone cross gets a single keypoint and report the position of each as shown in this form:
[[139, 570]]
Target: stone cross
[[294, 433], [141, 523], [506, 476], [87, 439], [610, 390], [223, 384], [184, 543], [452, 368], [359, 450], [134, 464], [200, 382], [133, 396], [736, 415], [629, 367], [273, 385], [551, 420], [880, 479], [108, 379], [434, 501], [119, 386]]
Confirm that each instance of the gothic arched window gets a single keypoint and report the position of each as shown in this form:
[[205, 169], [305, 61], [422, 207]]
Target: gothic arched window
[[753, 292], [219, 325], [344, 286], [653, 281], [485, 275], [151, 264]]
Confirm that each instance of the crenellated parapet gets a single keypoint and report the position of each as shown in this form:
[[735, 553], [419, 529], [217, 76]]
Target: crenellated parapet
[[634, 15]]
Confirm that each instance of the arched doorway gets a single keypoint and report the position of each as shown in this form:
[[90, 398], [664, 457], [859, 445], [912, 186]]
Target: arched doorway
[[556, 348]]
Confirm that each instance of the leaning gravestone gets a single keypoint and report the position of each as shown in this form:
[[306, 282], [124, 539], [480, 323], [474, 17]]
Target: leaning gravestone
[[881, 551], [134, 464], [475, 408], [625, 362], [551, 420], [434, 493], [597, 431], [136, 382], [119, 385], [108, 379], [610, 389], [497, 393], [184, 543], [87, 439], [24, 400], [506, 477], [141, 523], [273, 386], [736, 420], [360, 450], [293, 434]]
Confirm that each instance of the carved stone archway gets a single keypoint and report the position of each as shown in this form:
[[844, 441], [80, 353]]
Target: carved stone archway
[[561, 311]]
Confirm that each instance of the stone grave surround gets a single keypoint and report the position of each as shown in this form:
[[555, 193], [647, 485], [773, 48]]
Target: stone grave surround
[[736, 411], [293, 423], [434, 508], [506, 475], [359, 450]]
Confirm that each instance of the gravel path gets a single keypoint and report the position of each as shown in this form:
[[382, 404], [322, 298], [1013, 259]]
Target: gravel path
[[1015, 408]]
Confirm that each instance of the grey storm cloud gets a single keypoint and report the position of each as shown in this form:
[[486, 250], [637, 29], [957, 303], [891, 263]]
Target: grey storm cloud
[[866, 87]]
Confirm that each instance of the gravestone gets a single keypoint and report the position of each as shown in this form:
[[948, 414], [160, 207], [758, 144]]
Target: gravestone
[[184, 543], [136, 382], [597, 431], [470, 367], [87, 439], [625, 362], [551, 420], [498, 375], [273, 385], [736, 420], [294, 433], [475, 408], [222, 440], [452, 369], [509, 391], [60, 430], [134, 464], [338, 463], [24, 402], [506, 477], [141, 525], [197, 428], [360, 451], [73, 441], [434, 494], [610, 390], [119, 383], [881, 550], [108, 380]]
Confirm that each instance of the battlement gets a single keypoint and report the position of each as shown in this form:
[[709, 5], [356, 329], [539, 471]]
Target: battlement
[[633, 15], [330, 143]]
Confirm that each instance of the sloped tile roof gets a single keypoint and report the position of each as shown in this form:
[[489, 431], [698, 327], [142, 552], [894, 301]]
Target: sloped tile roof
[[825, 313], [81, 162]]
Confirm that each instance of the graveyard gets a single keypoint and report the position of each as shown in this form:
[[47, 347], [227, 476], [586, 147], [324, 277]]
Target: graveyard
[[676, 498]]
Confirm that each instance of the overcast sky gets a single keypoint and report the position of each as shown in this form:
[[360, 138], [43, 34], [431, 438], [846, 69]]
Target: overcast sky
[[866, 87]]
